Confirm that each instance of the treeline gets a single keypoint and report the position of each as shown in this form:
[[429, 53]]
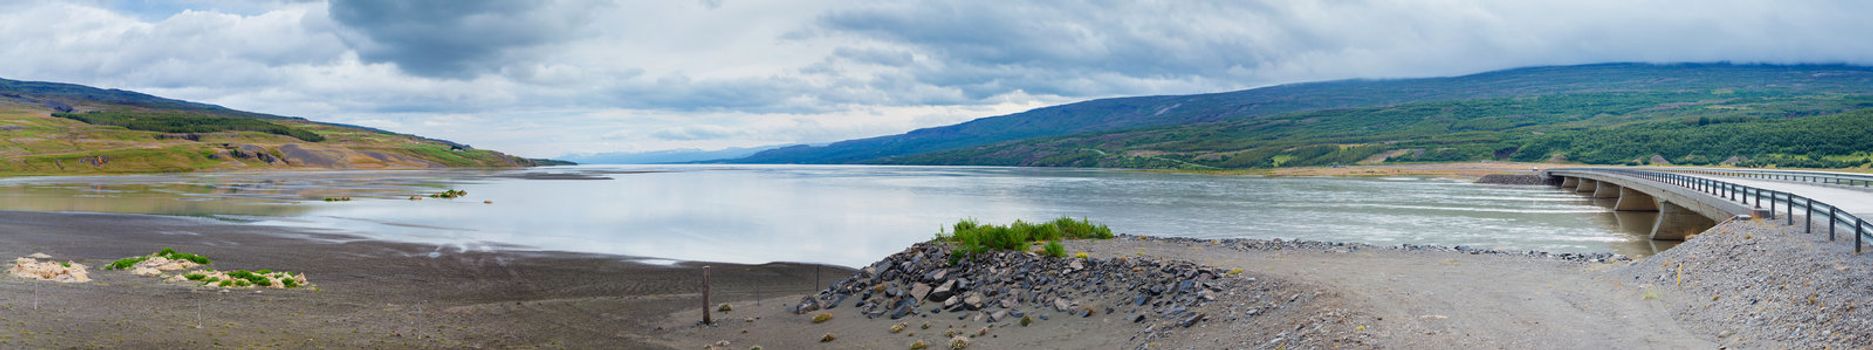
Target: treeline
[[182, 122]]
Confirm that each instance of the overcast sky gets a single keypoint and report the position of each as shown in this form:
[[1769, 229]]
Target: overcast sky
[[544, 78]]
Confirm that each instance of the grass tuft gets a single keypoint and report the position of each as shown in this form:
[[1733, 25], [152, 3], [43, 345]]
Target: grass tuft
[[1054, 249], [972, 237]]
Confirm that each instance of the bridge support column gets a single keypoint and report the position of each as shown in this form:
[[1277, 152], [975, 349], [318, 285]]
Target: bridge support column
[[1570, 182], [1603, 189], [1632, 200], [1675, 222], [1585, 186]]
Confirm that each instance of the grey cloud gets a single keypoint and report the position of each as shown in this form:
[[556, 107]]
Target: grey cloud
[[1104, 48], [696, 132], [457, 39]]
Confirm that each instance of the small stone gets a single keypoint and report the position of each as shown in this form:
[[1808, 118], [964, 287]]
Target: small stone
[[828, 338], [1192, 320], [900, 312], [959, 342], [919, 291]]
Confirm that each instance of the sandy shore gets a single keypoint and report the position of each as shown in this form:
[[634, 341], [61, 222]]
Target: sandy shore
[[1744, 285], [371, 294], [1748, 285]]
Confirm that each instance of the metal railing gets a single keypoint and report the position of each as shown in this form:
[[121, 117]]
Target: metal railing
[[1841, 179], [1757, 198]]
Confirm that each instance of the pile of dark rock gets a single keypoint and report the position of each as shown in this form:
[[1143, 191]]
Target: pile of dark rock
[[1025, 287], [1601, 257], [1250, 244], [1513, 179]]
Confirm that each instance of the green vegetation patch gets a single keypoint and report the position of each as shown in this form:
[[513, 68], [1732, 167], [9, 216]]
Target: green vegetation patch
[[971, 237], [450, 194], [1758, 127], [166, 253], [182, 122], [245, 278]]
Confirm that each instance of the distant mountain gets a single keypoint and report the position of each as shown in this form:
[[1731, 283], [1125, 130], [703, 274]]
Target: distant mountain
[[1254, 128], [58, 128], [666, 156]]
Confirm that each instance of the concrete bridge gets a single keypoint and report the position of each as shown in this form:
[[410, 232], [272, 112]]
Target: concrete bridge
[[1682, 212], [1691, 200]]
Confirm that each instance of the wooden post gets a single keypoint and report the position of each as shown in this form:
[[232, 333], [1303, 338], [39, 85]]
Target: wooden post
[[706, 317]]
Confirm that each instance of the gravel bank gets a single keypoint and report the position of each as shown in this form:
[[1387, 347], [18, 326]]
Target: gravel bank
[[1012, 300], [1756, 284]]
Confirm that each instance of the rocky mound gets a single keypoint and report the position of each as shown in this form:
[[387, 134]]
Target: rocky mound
[[1512, 179], [41, 267], [1161, 298], [1755, 284]]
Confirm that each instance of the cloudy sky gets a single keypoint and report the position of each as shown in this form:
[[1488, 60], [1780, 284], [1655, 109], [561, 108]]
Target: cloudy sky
[[545, 78]]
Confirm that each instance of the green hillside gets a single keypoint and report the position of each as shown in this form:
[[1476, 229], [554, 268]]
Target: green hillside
[[1752, 115], [57, 129], [1743, 128]]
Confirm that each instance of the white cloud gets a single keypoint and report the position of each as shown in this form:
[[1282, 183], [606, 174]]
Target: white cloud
[[542, 78]]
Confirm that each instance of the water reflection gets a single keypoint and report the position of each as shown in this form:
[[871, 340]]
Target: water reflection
[[846, 215]]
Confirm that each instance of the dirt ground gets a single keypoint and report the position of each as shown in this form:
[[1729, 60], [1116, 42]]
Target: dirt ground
[[368, 295], [1369, 298]]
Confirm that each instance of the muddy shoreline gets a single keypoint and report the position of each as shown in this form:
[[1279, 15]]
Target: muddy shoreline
[[371, 294], [1293, 294]]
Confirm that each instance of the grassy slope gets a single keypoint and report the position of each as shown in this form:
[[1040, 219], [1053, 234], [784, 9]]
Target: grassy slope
[[1764, 127], [1134, 113], [43, 145]]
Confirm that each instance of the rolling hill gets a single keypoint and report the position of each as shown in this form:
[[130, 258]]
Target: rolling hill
[[55, 128], [1753, 115]]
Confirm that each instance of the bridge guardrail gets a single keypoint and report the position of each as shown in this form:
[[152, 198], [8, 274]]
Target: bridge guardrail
[[1756, 197], [1850, 180]]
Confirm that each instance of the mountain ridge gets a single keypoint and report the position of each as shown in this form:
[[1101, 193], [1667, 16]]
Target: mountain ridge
[[1103, 116], [53, 128]]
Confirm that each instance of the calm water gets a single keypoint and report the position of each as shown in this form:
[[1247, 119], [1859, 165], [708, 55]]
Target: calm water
[[848, 215]]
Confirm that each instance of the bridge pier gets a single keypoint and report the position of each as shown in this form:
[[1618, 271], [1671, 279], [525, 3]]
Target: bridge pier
[[1633, 200], [1603, 189], [1586, 186], [1570, 182], [1675, 222]]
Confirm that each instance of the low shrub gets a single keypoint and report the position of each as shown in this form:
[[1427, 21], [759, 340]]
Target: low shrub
[[972, 237]]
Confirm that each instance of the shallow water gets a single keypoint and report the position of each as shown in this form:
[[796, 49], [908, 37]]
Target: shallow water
[[847, 215]]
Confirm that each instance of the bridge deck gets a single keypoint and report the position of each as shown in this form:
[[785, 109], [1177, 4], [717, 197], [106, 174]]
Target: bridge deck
[[1854, 201]]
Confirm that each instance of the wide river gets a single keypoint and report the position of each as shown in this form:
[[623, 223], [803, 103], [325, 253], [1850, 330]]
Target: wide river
[[846, 215]]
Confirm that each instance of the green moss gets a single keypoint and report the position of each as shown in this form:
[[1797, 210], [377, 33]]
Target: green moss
[[126, 263]]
